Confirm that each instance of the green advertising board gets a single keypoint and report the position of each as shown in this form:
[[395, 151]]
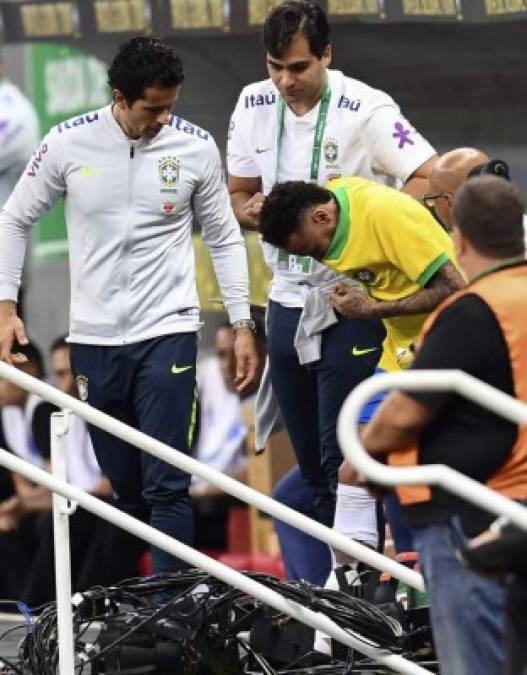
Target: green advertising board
[[62, 82]]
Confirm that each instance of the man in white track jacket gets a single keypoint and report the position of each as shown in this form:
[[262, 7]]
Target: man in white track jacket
[[134, 177]]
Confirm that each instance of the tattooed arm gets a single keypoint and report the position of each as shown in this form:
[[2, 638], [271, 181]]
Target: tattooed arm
[[352, 303]]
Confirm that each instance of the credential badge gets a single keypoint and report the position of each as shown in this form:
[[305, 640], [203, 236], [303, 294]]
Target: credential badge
[[169, 173], [331, 151], [82, 386]]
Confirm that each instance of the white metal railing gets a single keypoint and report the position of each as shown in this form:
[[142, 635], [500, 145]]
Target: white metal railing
[[433, 474], [194, 558], [67, 492], [62, 509]]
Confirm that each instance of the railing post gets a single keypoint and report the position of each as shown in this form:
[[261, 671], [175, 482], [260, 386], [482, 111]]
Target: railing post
[[61, 536]]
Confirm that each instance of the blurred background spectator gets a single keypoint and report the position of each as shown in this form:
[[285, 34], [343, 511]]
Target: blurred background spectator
[[26, 541], [222, 434], [19, 134]]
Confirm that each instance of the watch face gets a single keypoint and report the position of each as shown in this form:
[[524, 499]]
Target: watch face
[[244, 323]]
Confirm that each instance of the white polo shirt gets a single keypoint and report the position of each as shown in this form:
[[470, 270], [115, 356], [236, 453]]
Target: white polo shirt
[[365, 135]]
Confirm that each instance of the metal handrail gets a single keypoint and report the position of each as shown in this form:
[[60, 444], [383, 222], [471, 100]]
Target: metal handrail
[[223, 482], [433, 474], [243, 492], [204, 562]]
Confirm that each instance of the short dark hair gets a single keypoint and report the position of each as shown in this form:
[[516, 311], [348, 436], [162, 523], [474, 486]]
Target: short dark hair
[[59, 343], [489, 213], [284, 207], [144, 62], [290, 18]]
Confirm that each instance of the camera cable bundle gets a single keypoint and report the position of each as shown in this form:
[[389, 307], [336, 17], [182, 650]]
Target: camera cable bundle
[[194, 624]]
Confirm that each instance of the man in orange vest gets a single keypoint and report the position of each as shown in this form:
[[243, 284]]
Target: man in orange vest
[[482, 330]]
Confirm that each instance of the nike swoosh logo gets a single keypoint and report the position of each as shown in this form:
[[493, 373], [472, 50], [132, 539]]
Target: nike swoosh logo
[[359, 352], [176, 371], [87, 171], [260, 150]]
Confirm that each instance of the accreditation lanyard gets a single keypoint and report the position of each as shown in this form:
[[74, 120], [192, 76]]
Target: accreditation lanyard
[[319, 132]]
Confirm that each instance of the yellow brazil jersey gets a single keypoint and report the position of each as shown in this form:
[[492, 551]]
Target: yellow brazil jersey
[[392, 245]]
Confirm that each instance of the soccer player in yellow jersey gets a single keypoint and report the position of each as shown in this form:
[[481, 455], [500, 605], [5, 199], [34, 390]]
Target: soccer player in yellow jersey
[[397, 252], [381, 238]]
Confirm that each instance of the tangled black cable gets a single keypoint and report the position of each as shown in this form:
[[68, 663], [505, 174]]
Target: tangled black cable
[[157, 611], [366, 621], [40, 648], [226, 611]]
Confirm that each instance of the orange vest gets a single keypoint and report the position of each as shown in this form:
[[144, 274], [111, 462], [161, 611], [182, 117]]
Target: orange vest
[[505, 292]]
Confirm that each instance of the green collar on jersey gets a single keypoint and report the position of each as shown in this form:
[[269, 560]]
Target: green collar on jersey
[[341, 234]]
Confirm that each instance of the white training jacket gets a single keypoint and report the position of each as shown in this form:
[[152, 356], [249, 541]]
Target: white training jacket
[[129, 211]]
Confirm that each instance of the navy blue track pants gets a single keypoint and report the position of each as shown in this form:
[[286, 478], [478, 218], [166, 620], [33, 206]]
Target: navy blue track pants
[[310, 397], [151, 386]]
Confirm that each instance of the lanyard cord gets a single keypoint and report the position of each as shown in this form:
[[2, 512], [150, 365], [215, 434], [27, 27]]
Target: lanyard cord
[[319, 132]]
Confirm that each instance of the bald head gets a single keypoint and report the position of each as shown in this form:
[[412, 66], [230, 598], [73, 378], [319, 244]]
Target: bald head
[[451, 169], [446, 177]]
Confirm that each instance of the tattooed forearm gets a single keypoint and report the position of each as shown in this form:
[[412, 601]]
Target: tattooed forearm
[[444, 283]]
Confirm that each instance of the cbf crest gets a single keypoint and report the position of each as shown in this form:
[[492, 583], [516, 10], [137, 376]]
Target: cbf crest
[[169, 173], [331, 151], [82, 386]]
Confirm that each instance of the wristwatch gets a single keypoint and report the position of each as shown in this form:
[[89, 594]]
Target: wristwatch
[[244, 323]]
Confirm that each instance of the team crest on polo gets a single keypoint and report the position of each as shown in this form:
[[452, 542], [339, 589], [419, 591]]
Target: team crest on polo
[[365, 276], [331, 151], [82, 386], [169, 173]]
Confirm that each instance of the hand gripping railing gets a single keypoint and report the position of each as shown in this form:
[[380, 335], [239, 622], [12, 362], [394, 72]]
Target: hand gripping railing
[[433, 474], [172, 546]]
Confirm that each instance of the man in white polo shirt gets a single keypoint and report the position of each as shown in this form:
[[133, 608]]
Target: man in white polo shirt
[[310, 123]]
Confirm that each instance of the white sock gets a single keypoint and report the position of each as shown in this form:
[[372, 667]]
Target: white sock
[[356, 514], [356, 518]]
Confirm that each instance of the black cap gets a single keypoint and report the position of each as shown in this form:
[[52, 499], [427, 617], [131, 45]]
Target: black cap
[[496, 167]]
